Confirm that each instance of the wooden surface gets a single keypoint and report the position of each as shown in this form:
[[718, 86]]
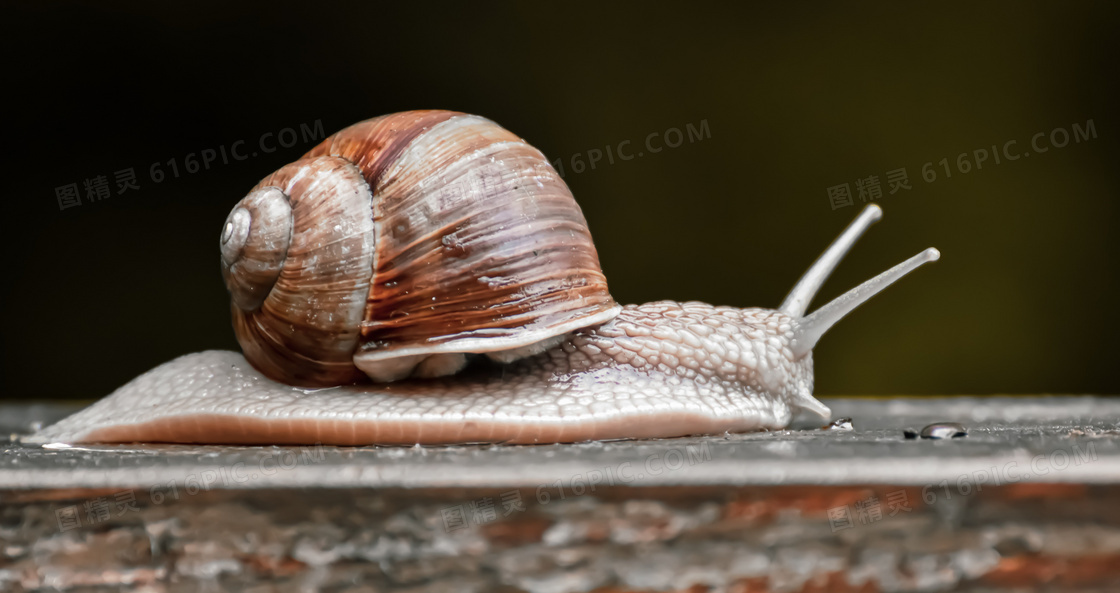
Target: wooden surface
[[1024, 537], [1025, 502]]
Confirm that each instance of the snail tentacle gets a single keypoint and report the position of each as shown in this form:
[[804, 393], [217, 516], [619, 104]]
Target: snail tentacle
[[811, 328], [806, 288]]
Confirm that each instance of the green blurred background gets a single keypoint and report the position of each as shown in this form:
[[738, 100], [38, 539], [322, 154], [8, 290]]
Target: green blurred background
[[795, 100]]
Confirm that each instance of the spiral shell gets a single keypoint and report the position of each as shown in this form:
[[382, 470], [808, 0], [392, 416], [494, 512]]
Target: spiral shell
[[402, 243]]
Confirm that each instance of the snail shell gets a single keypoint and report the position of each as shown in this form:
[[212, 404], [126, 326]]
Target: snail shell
[[402, 243]]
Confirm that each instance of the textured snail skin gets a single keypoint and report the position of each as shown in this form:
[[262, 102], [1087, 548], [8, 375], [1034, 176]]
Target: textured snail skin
[[661, 369]]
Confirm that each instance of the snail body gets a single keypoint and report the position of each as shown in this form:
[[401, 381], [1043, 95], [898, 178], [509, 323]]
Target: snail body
[[374, 268]]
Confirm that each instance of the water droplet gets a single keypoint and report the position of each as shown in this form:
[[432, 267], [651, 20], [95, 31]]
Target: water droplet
[[944, 430], [839, 424]]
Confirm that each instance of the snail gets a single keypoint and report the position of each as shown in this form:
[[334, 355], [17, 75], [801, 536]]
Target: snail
[[426, 277]]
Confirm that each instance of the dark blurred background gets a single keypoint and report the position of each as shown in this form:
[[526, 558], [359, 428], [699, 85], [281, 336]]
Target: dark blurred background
[[771, 106]]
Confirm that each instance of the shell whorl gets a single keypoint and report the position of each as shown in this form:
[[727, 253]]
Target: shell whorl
[[254, 243], [306, 330], [470, 240]]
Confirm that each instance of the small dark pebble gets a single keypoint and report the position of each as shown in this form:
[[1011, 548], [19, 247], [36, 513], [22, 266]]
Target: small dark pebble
[[944, 430], [839, 424]]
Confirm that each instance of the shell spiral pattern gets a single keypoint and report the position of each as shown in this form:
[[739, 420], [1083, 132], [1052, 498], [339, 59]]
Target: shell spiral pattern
[[402, 243]]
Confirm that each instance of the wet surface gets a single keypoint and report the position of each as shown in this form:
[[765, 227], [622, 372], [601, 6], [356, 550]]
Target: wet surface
[[1043, 439]]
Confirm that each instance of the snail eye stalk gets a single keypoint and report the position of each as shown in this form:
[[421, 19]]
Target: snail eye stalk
[[803, 292], [813, 327]]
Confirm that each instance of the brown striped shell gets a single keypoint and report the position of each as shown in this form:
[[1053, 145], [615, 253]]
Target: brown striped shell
[[402, 243]]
